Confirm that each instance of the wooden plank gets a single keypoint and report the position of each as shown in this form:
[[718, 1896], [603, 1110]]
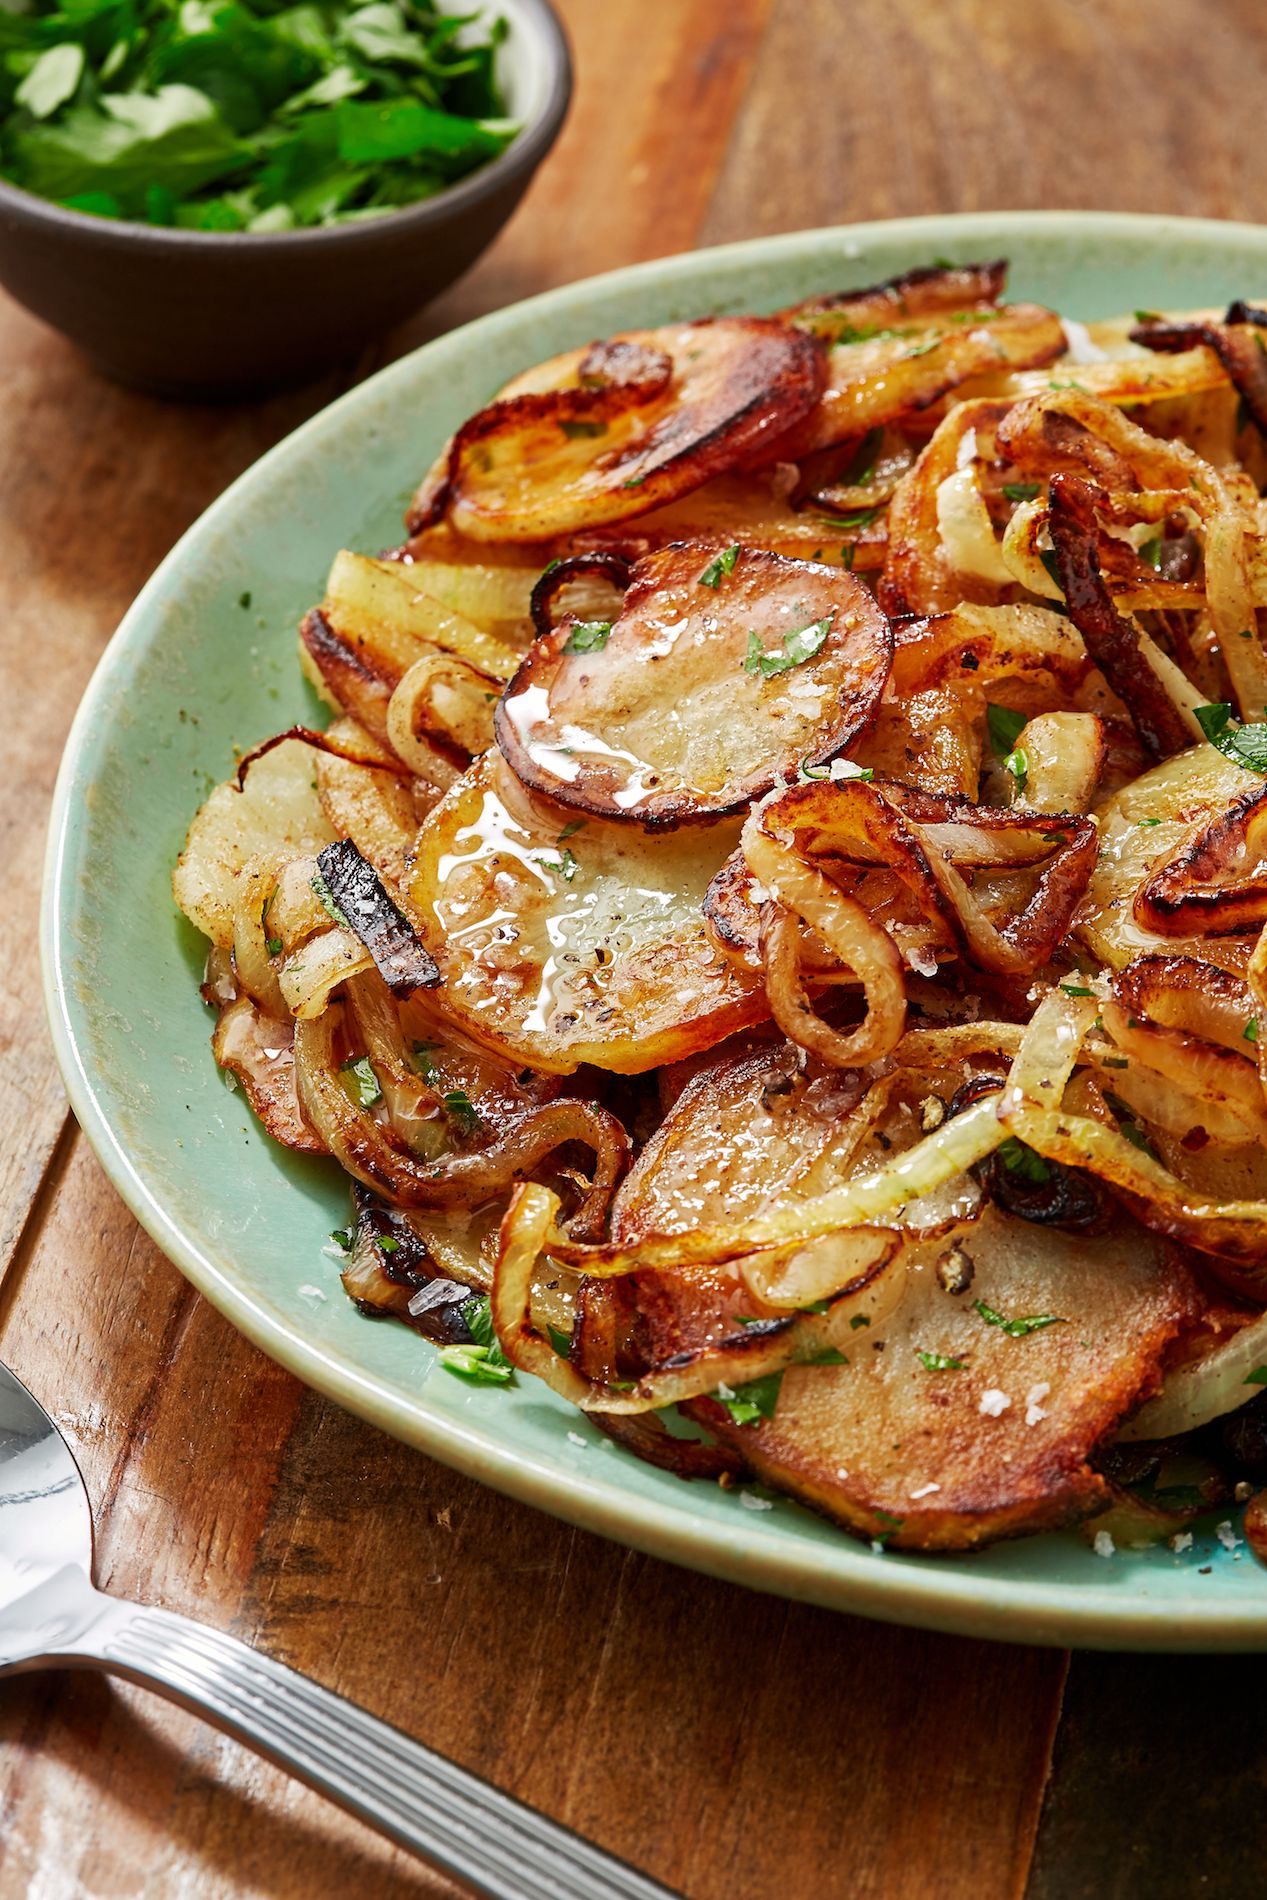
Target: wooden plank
[[955, 105]]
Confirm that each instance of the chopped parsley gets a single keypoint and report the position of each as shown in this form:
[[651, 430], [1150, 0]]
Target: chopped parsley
[[1020, 1159], [477, 1364], [1005, 728], [325, 896], [1150, 552], [855, 520], [565, 866], [459, 1104], [252, 117], [344, 1239], [1051, 561], [757, 1399], [1148, 316], [1017, 763], [588, 636], [724, 564], [425, 1067], [1021, 491], [859, 1319], [581, 431], [562, 1342], [939, 1362], [570, 829], [360, 1084], [1250, 1031], [1076, 989], [387, 1243], [1257, 1377], [862, 464], [797, 648], [273, 945], [1245, 745], [1017, 1328]]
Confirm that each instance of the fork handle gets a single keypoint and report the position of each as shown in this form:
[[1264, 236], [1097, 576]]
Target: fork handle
[[429, 1805]]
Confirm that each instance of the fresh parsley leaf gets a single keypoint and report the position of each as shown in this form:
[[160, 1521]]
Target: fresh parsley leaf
[[588, 636], [580, 431], [1076, 989], [476, 1364], [565, 866], [1150, 552], [1005, 728], [360, 1083], [52, 80], [478, 1314], [1148, 316], [423, 1064], [387, 1243], [1017, 763], [1017, 1328], [1245, 745], [939, 1362], [325, 897], [570, 830], [344, 1238], [562, 1342], [1021, 491], [1020, 1159], [859, 1319], [797, 648], [1051, 562], [724, 564], [1257, 1377], [757, 1399], [1250, 1031], [459, 1104]]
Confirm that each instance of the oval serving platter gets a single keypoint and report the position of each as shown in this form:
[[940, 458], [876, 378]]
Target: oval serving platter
[[205, 660]]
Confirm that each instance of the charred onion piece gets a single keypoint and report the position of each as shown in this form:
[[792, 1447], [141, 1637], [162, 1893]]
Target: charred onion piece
[[1234, 342], [1112, 642], [320, 742], [612, 567], [550, 460], [698, 697], [390, 1268], [358, 892], [926, 292], [1209, 885]]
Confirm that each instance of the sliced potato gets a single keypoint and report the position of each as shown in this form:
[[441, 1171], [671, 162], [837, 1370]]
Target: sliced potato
[[930, 1455], [586, 444], [259, 1050], [562, 941], [724, 669], [276, 813]]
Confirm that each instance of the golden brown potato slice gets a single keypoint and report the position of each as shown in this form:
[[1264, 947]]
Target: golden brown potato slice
[[590, 444], [725, 668], [947, 1430], [902, 346], [259, 1051], [561, 940]]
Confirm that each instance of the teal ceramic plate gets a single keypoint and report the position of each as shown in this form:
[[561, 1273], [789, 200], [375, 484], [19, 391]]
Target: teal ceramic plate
[[198, 667]]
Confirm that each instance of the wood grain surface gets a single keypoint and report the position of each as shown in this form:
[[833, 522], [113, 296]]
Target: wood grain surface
[[738, 1747]]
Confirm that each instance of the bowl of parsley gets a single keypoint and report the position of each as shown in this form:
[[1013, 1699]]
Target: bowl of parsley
[[217, 197]]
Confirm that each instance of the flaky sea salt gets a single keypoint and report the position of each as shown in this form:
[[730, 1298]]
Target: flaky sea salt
[[1103, 1545], [1181, 1541], [925, 1491], [751, 1503], [313, 1295], [574, 1438], [1034, 1413], [1226, 1535], [993, 1403]]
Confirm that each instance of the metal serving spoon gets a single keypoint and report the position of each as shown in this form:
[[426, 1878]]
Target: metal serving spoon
[[52, 1616]]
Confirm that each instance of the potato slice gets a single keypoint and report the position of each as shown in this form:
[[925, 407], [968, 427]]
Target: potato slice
[[276, 813], [587, 443], [927, 1455], [725, 668], [561, 942]]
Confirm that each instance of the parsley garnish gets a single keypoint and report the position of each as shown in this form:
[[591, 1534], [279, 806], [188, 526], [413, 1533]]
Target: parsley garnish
[[459, 1104], [570, 830], [588, 636], [423, 1064], [477, 1364], [387, 1242], [1051, 562], [1017, 1328], [1150, 552], [325, 897], [859, 1319], [1250, 1031], [1005, 728], [579, 431], [1076, 989], [344, 1238], [1257, 1377], [939, 1362], [724, 564], [1021, 491], [855, 520], [562, 1342], [1021, 1159], [1017, 763], [360, 1082], [1148, 316], [565, 866], [757, 1399], [273, 945], [797, 648], [1246, 745], [247, 118]]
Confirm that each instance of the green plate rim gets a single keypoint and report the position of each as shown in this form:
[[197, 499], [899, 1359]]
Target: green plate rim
[[932, 1593]]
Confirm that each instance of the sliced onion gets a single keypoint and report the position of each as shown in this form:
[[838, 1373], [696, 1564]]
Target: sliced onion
[[1205, 1388]]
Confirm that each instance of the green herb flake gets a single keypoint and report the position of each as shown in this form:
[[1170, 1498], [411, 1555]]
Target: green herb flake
[[459, 1104], [582, 431], [588, 636], [1020, 1159], [387, 1243], [724, 564], [1115, 1062], [1005, 728], [859, 1319], [476, 1364], [1142, 823], [797, 648], [1076, 989], [570, 830], [1150, 552], [344, 1239], [1257, 1377], [565, 866], [244, 600], [757, 1399], [939, 1362], [1017, 763], [360, 1083], [1250, 1031], [562, 1342], [325, 897], [1148, 316], [1245, 745], [1021, 491], [1017, 1328], [1051, 562]]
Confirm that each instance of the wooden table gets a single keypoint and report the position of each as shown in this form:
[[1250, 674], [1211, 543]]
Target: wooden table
[[737, 1746]]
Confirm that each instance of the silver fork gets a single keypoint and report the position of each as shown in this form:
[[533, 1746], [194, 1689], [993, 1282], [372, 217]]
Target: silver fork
[[52, 1616]]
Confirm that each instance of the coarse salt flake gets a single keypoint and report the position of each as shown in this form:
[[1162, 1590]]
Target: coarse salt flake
[[925, 1490], [1103, 1545], [844, 768], [1034, 1413], [1226, 1535], [574, 1438], [1181, 1541], [751, 1503], [312, 1294], [993, 1403]]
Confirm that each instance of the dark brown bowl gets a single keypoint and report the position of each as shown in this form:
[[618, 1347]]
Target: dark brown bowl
[[216, 314]]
